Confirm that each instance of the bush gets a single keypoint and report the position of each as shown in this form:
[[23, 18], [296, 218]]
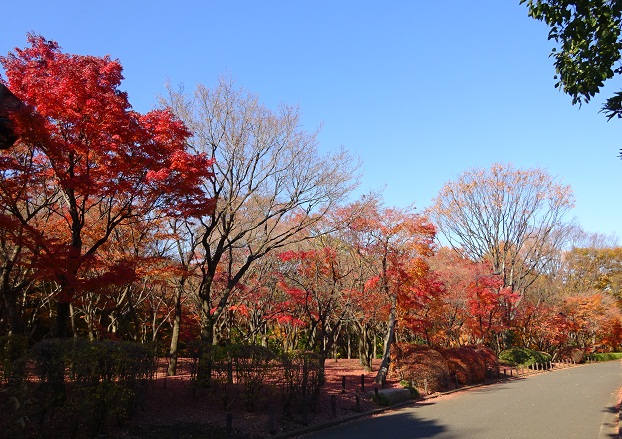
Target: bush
[[302, 378], [521, 356], [13, 350], [414, 393], [420, 364], [252, 366], [574, 355], [605, 356], [80, 387], [465, 364]]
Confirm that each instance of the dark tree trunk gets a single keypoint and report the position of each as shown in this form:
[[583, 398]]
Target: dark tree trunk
[[15, 320], [173, 352], [62, 320]]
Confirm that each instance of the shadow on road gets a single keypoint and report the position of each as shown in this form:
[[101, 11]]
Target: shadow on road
[[396, 425]]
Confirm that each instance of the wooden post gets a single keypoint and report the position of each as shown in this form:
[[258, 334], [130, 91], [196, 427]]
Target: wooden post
[[425, 385], [362, 383], [272, 422], [229, 425]]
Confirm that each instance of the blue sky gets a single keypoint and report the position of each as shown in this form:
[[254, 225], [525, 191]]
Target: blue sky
[[420, 90]]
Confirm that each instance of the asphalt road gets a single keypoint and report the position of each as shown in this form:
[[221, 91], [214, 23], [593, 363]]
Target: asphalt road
[[577, 403]]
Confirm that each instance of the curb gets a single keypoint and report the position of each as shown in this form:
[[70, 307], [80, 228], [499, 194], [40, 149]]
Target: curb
[[345, 419]]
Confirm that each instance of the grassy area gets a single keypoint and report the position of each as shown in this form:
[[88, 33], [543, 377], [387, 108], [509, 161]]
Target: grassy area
[[605, 356]]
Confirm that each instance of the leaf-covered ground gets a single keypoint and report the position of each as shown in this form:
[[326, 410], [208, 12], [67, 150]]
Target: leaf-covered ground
[[175, 409]]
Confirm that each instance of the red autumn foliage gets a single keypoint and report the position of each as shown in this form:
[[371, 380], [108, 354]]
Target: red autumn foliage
[[469, 364], [572, 354], [420, 364], [86, 164], [438, 367]]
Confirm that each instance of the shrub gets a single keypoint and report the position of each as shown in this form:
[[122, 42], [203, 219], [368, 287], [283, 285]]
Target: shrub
[[252, 366], [605, 356], [465, 364], [302, 378], [414, 393], [521, 356], [420, 364], [90, 383], [13, 350], [575, 355]]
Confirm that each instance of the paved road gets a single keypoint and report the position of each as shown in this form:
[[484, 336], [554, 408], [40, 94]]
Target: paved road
[[570, 403]]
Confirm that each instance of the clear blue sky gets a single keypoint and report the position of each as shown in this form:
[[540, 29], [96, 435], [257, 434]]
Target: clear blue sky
[[420, 90]]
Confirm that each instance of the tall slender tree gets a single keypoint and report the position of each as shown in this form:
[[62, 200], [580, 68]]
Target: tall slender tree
[[271, 185], [513, 218]]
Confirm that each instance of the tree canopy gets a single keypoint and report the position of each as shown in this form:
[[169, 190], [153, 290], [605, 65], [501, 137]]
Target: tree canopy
[[588, 34]]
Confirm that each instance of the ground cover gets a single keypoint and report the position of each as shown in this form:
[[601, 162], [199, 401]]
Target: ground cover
[[174, 408]]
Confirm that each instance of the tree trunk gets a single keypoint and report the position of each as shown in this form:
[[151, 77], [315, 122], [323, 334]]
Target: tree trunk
[[366, 349], [15, 321], [173, 354], [386, 356], [73, 321], [204, 371], [62, 320]]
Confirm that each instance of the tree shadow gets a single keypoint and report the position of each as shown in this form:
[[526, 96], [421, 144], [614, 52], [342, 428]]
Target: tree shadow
[[611, 424], [402, 424]]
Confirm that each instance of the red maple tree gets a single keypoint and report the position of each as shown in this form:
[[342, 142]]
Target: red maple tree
[[98, 163]]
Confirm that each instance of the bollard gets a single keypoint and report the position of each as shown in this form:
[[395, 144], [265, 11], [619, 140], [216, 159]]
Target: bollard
[[305, 412], [333, 405], [362, 383], [343, 384], [425, 385], [229, 425], [272, 422]]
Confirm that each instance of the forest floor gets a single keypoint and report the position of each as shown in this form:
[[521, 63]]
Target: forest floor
[[175, 409]]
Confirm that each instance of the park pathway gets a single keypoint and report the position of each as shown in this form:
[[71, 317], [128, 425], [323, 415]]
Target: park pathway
[[571, 403]]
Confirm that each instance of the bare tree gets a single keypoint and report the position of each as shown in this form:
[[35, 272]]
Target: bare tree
[[512, 217], [271, 185]]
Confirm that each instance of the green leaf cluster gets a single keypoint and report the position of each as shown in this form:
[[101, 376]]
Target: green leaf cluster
[[588, 35], [521, 356]]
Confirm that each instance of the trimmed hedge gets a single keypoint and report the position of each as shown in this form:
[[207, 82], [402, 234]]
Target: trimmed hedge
[[469, 364], [13, 349], [574, 355], [521, 356], [421, 365], [605, 356], [438, 368], [76, 388], [298, 375]]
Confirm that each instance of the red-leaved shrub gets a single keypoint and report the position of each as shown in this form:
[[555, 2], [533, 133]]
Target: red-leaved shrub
[[572, 354], [421, 365], [469, 364]]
